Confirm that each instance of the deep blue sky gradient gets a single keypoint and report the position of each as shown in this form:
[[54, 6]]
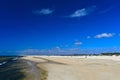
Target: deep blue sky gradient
[[21, 29]]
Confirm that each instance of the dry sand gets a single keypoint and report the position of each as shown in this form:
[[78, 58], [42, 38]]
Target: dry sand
[[67, 68]]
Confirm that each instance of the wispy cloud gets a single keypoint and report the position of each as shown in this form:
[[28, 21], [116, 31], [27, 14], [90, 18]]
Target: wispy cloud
[[61, 51], [104, 35], [79, 13], [88, 37], [105, 10], [82, 12], [55, 51], [43, 11], [78, 43]]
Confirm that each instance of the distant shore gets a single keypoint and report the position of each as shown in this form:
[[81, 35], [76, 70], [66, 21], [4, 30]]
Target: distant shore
[[115, 58]]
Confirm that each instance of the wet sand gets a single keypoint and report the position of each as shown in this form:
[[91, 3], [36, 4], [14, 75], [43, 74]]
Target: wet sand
[[66, 68], [32, 72]]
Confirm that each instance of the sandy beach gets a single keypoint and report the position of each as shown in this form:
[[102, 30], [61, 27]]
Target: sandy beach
[[79, 68]]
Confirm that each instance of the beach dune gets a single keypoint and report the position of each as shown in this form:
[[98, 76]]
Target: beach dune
[[71, 68]]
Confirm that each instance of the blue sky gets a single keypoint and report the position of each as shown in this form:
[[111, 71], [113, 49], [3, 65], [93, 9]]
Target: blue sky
[[59, 26]]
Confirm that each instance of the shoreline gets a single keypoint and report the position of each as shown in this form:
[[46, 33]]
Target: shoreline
[[35, 71]]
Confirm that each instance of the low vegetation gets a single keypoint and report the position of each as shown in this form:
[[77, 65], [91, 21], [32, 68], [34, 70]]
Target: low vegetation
[[111, 54]]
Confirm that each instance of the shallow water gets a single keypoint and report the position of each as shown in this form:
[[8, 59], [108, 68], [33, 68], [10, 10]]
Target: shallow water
[[2, 63]]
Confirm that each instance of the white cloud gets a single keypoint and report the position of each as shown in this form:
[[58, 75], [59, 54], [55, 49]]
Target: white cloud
[[29, 51], [55, 51], [57, 47], [43, 11], [104, 35], [79, 13], [67, 51], [82, 12], [77, 43]]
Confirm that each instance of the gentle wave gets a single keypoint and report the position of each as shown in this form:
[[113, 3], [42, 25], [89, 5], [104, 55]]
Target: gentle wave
[[2, 63]]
